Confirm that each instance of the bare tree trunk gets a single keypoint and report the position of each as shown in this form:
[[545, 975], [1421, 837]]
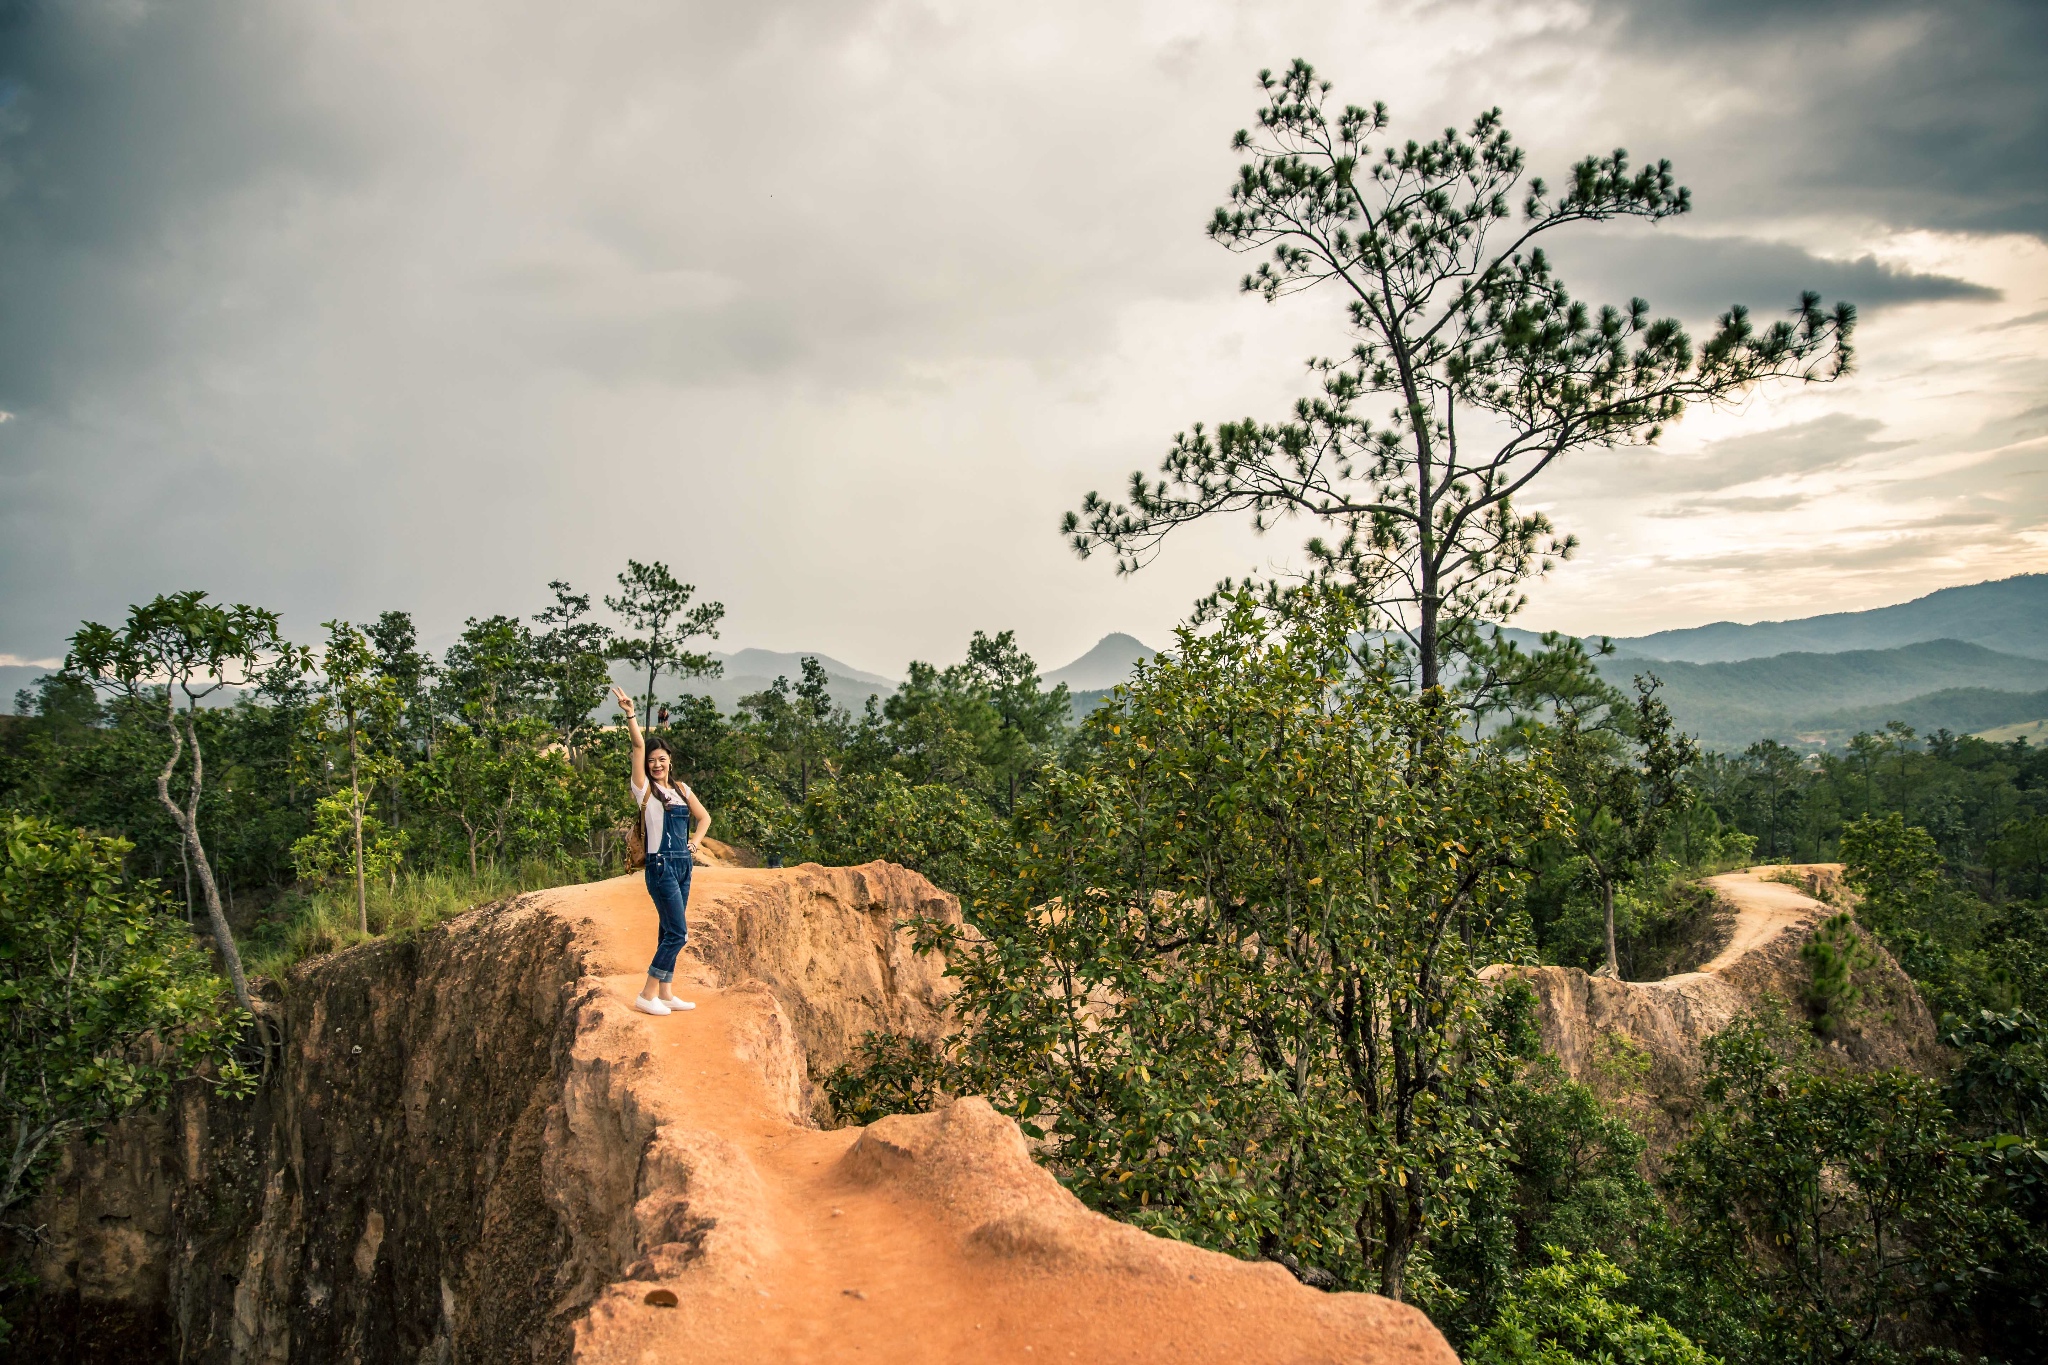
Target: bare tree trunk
[[1400, 1241], [1613, 968], [355, 810], [187, 820]]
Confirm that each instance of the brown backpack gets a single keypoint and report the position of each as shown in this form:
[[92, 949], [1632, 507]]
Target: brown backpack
[[636, 836]]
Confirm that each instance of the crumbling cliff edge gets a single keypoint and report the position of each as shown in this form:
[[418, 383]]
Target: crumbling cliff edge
[[474, 1150], [1585, 1018]]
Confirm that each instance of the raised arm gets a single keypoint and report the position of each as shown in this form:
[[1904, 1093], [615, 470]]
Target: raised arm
[[638, 772]]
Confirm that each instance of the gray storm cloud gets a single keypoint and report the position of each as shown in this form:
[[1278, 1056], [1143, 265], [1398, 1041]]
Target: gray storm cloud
[[834, 307]]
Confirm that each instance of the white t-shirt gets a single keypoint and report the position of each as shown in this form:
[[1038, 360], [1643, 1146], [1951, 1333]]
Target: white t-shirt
[[651, 812]]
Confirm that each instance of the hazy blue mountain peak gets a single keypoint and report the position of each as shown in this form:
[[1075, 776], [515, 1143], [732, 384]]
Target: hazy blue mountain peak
[[1104, 666]]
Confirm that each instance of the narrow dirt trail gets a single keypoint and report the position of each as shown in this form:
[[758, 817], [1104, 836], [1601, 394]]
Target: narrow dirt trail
[[1764, 909], [837, 1267], [1771, 917]]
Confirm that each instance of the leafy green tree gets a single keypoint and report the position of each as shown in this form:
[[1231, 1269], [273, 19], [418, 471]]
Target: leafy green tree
[[410, 672], [801, 724], [182, 646], [490, 676], [503, 791], [106, 1000], [398, 654], [1492, 370], [2022, 849], [1773, 788], [1842, 1204], [570, 654], [355, 696], [657, 609], [2000, 1089], [937, 830], [1031, 720], [347, 844], [1568, 1180], [2001, 1078], [1229, 970], [1625, 783], [1932, 928], [940, 731]]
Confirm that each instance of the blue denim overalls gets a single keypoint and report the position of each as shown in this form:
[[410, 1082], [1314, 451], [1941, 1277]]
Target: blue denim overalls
[[668, 882]]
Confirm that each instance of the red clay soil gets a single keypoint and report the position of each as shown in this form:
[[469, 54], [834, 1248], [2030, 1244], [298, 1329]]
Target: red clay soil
[[928, 1238]]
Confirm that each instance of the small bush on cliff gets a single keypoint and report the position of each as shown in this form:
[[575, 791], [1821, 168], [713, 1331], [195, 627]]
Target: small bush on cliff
[[1835, 954], [889, 1073], [106, 1001]]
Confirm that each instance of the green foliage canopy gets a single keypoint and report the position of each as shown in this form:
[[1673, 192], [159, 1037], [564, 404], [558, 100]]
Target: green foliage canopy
[[1842, 1203], [1229, 969], [181, 645], [105, 1002]]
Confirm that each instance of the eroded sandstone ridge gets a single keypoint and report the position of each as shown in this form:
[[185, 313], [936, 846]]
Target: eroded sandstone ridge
[[1587, 1020], [475, 1150]]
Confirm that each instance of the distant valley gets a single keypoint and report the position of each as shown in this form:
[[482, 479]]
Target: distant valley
[[1821, 700]]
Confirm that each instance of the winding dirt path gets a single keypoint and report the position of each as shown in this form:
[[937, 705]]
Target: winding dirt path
[[1764, 909], [1584, 1018], [817, 1258]]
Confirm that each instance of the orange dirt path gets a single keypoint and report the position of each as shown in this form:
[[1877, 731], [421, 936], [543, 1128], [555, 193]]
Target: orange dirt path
[[849, 1272], [1763, 909]]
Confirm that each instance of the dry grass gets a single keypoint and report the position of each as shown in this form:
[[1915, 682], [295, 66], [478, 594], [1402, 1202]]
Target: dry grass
[[325, 921]]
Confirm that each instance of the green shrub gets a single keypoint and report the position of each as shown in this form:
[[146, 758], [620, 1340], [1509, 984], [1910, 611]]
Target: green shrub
[[1834, 1216], [106, 1000], [1565, 1313], [930, 828], [889, 1073], [1835, 954]]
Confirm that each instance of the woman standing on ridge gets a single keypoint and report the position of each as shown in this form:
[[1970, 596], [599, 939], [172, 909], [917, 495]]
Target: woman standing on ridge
[[676, 823]]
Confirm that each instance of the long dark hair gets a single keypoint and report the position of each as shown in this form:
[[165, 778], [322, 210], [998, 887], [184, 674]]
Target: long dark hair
[[656, 744]]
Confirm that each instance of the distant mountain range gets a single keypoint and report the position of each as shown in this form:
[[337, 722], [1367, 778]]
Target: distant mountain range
[[754, 670], [1965, 659], [748, 671], [1820, 699], [2009, 615]]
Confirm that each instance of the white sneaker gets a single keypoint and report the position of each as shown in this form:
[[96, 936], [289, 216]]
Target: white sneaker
[[675, 1004], [646, 1006]]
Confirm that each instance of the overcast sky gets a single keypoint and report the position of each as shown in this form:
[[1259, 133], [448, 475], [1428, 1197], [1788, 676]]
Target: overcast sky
[[837, 307]]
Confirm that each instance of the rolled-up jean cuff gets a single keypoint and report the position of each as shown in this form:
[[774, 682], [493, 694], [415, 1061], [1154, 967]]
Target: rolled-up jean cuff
[[668, 885]]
